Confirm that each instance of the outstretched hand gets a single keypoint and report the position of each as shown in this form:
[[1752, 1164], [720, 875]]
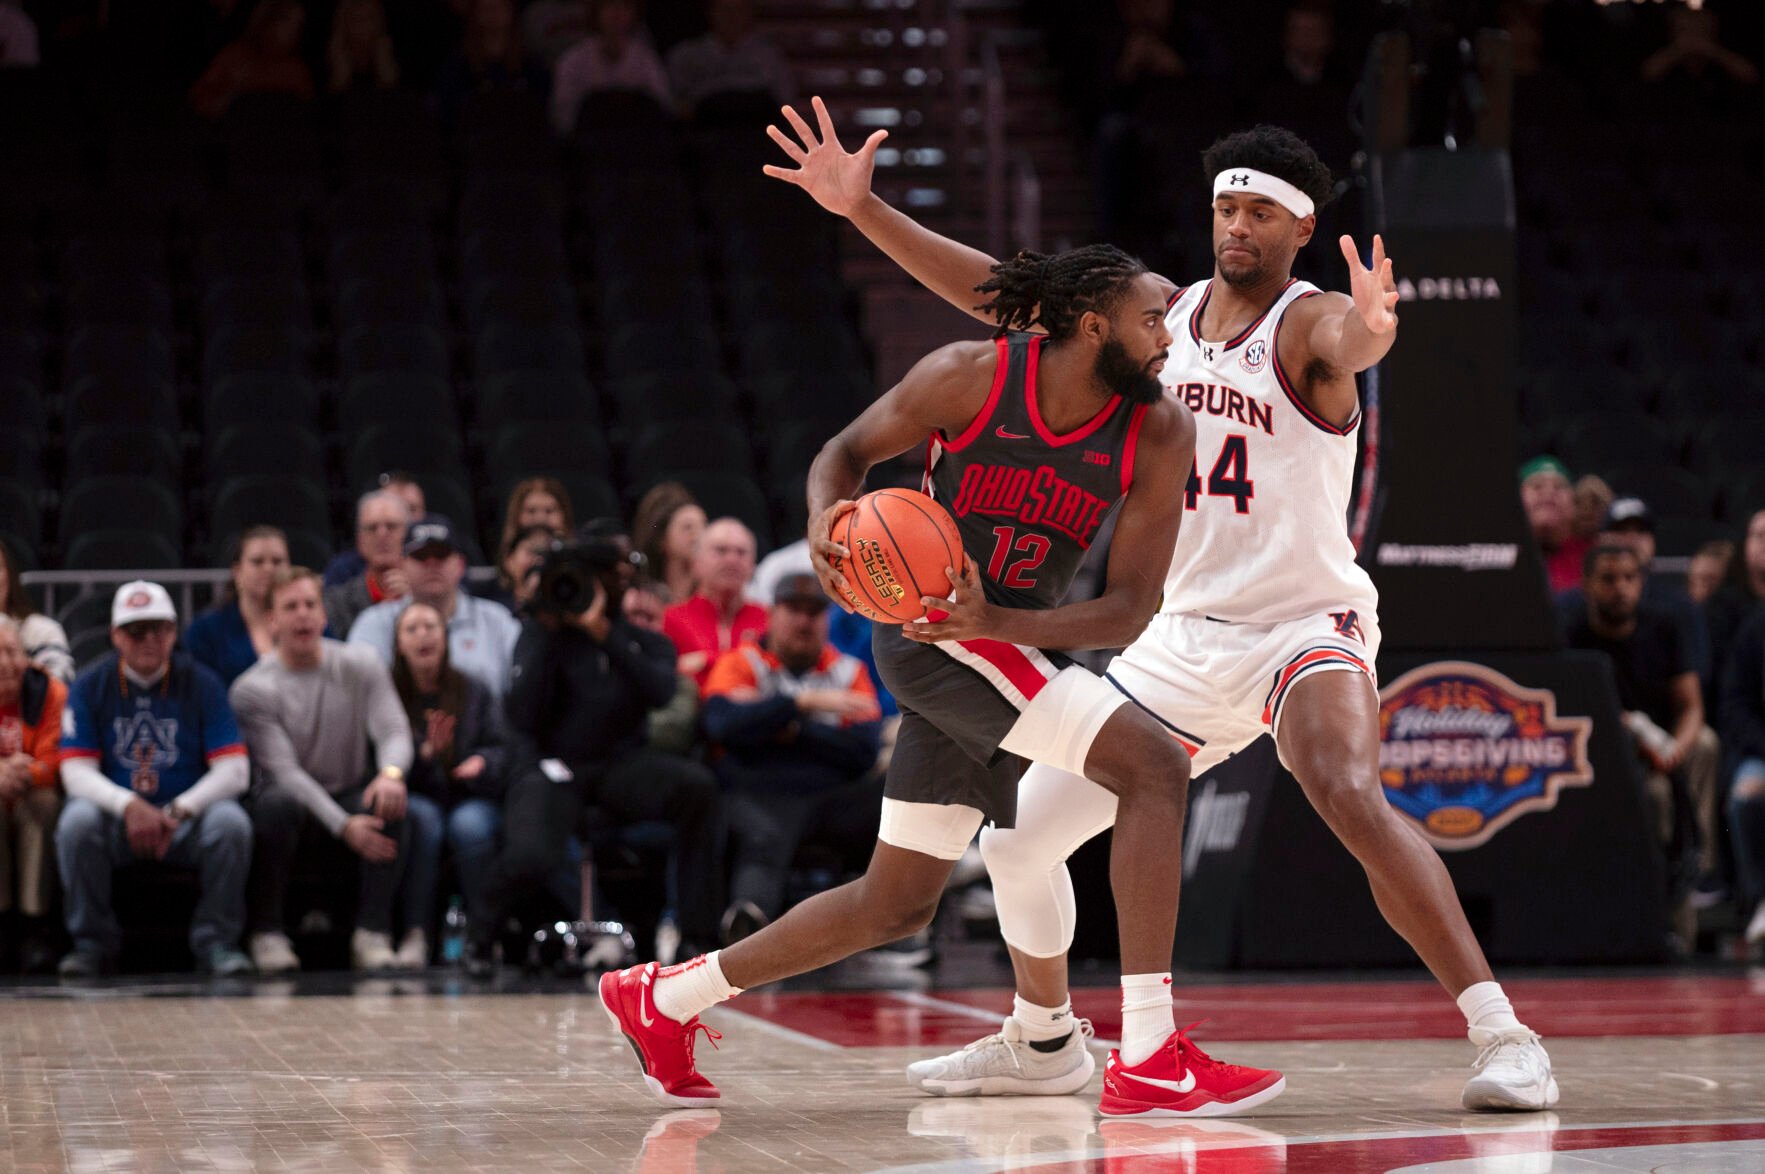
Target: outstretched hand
[[1374, 290], [838, 179]]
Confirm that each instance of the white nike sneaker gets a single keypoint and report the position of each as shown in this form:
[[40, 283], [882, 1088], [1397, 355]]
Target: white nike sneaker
[[1004, 1064], [272, 953], [1513, 1074]]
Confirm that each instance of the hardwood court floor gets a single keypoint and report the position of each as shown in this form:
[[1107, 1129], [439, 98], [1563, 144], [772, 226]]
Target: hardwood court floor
[[416, 1074]]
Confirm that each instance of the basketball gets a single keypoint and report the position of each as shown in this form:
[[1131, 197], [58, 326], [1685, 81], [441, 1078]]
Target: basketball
[[902, 543]]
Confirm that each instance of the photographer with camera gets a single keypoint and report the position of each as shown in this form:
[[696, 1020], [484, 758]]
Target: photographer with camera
[[583, 681]]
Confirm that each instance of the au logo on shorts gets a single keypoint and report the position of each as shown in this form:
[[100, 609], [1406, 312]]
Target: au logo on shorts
[[1464, 751]]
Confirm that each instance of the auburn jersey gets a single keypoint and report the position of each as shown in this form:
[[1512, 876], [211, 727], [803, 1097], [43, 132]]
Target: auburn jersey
[[1265, 514]]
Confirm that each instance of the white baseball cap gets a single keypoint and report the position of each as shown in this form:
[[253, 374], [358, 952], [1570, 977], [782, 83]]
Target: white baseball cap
[[141, 600]]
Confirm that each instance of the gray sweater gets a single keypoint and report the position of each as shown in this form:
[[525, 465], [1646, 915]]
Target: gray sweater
[[310, 728]]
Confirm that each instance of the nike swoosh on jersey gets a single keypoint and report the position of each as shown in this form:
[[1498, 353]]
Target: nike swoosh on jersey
[[1004, 435]]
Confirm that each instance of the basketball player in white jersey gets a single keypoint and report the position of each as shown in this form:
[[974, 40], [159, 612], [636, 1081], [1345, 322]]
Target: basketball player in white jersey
[[1268, 624]]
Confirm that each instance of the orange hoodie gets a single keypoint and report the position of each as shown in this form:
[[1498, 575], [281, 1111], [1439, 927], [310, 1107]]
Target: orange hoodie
[[32, 724]]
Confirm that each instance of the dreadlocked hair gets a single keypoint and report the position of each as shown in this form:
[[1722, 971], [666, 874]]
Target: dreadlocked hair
[[1274, 150], [1053, 291]]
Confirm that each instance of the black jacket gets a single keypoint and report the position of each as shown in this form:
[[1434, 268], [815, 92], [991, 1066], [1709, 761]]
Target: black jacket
[[479, 730], [584, 702], [1743, 692]]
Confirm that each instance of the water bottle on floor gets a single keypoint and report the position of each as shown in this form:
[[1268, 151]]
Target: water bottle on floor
[[453, 931]]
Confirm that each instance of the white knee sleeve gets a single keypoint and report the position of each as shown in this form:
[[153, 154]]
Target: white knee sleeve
[[1056, 812], [943, 830]]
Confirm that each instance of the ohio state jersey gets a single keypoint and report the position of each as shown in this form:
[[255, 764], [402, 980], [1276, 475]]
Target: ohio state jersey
[[1027, 500], [1265, 514]]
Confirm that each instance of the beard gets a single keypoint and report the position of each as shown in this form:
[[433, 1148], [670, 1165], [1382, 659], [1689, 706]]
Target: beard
[[1247, 275], [1134, 382], [1614, 613]]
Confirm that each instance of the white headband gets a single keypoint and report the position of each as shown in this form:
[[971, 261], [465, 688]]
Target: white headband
[[1261, 183]]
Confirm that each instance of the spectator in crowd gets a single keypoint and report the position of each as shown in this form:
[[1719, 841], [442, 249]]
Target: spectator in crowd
[[1549, 502], [347, 564], [18, 36], [1629, 523], [360, 52], [674, 728], [1740, 597], [717, 617], [153, 766], [583, 685], [457, 730], [537, 501], [481, 633], [1593, 497], [31, 704], [666, 528], [732, 58], [847, 630], [551, 27], [1306, 92], [231, 635], [44, 641], [491, 58], [381, 519], [617, 55], [265, 60], [1743, 734], [1706, 573], [1695, 56], [1663, 705], [796, 724], [515, 581], [311, 711]]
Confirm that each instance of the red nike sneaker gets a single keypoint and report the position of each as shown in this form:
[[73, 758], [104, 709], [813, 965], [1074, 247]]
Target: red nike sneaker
[[1181, 1080], [664, 1047]]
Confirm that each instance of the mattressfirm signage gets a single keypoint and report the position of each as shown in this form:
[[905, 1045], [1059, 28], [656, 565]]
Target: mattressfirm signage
[[1464, 751]]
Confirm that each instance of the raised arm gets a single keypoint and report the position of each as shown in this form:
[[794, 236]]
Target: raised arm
[[839, 180], [1330, 337]]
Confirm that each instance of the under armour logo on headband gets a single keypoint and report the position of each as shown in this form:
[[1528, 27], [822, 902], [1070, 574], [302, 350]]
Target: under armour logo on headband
[[1240, 181]]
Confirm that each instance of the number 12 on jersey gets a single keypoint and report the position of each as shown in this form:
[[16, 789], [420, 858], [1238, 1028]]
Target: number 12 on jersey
[[1021, 574], [1230, 477]]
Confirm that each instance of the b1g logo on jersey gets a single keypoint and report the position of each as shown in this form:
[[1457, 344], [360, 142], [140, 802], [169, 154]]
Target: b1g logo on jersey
[[1255, 357], [1464, 751]]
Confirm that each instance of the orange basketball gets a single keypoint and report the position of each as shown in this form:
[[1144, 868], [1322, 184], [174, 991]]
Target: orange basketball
[[901, 544]]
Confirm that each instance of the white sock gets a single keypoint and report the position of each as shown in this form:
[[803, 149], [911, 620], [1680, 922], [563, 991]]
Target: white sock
[[685, 990], [1041, 1023], [1488, 1013], [1147, 1020]]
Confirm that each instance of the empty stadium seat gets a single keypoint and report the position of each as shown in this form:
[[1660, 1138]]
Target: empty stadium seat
[[102, 550], [21, 519], [396, 397], [511, 346], [114, 399], [391, 300], [126, 450], [710, 443], [665, 396], [414, 350], [1667, 490], [251, 396], [641, 347], [515, 448], [133, 354], [246, 301], [271, 448], [293, 503], [237, 350], [410, 445], [522, 397], [1603, 442], [121, 503]]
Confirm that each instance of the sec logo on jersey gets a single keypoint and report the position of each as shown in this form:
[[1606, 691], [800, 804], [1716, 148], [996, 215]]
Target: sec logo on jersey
[[1255, 356]]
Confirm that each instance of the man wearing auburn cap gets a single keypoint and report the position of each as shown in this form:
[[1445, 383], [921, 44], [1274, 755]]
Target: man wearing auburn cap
[[153, 765]]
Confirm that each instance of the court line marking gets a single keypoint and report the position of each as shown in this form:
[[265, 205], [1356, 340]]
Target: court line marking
[[784, 1033], [1192, 1143]]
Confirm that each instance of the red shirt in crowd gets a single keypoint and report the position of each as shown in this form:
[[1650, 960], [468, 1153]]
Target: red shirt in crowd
[[697, 626], [1563, 565]]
